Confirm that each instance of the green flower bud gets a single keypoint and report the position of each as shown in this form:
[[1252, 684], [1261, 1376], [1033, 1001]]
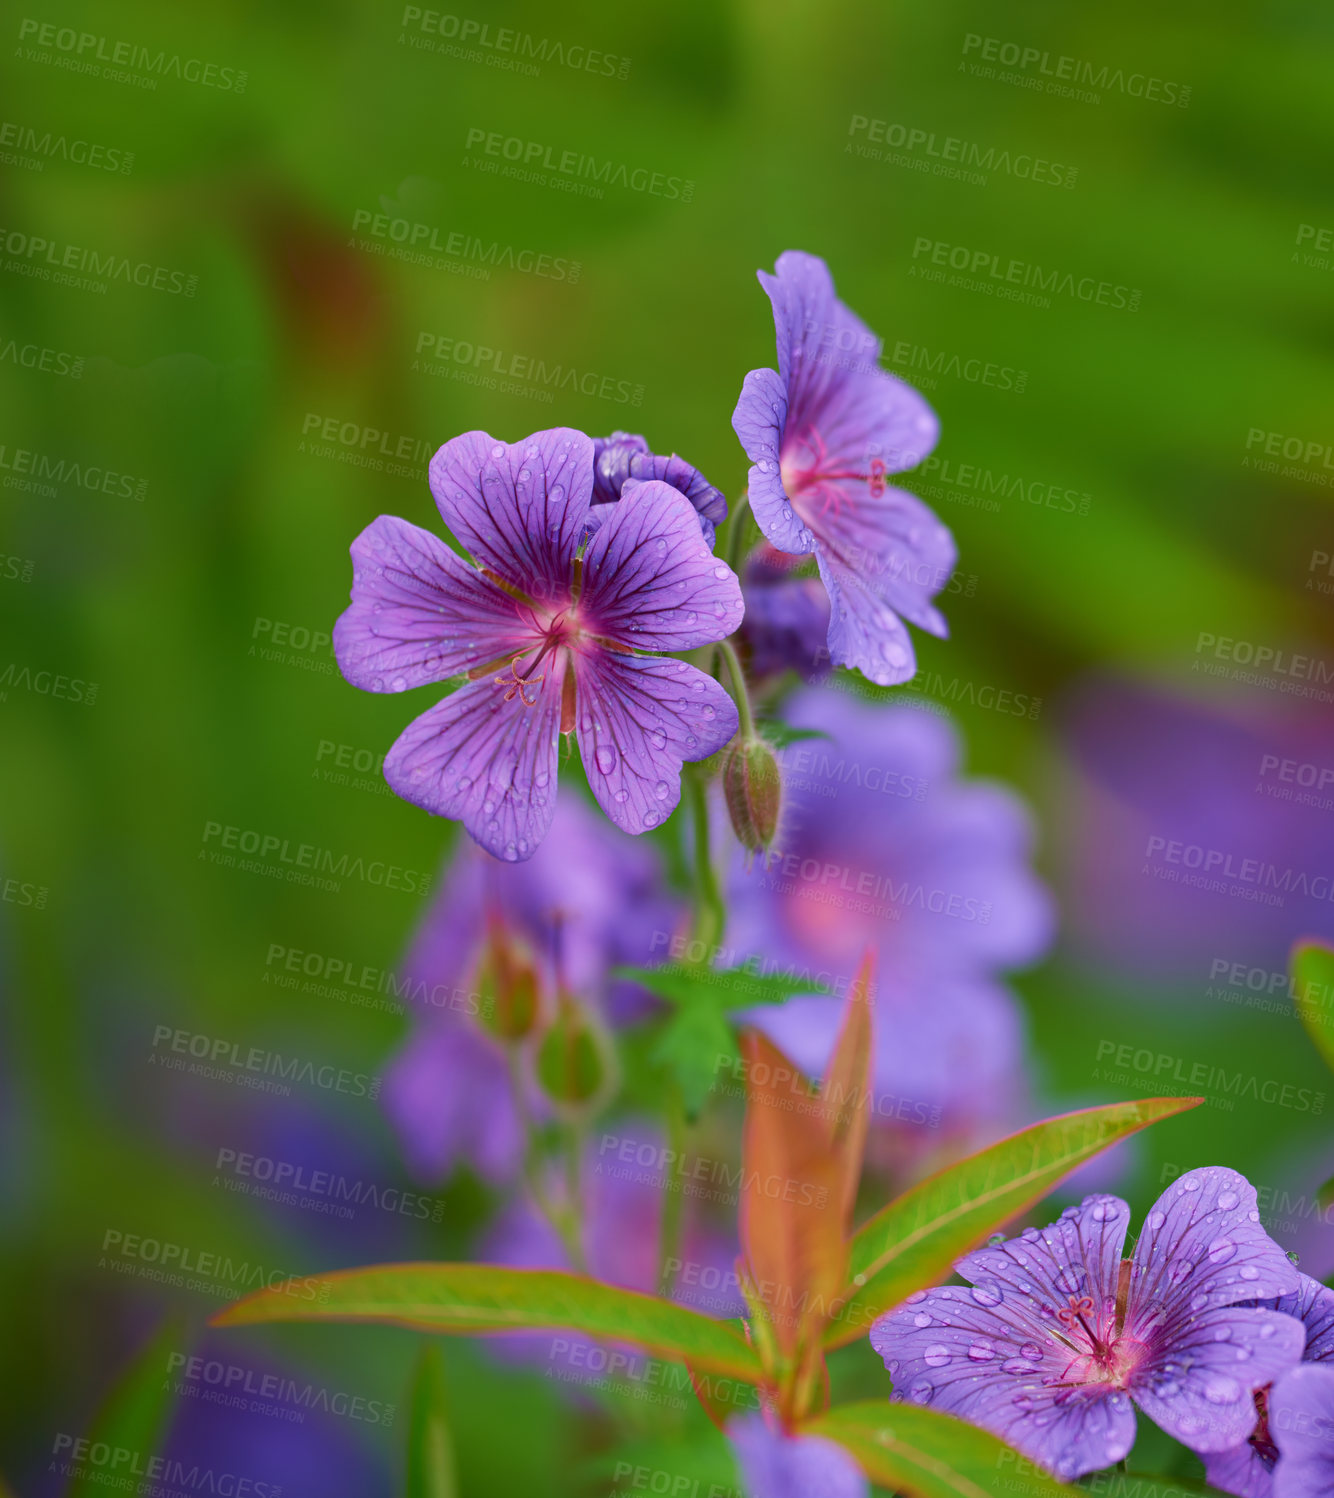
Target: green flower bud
[[753, 789], [575, 1064], [507, 984]]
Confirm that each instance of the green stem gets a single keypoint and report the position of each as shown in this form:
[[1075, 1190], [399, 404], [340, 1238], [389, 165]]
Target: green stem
[[710, 913], [669, 1232], [740, 525], [739, 689], [564, 1219]]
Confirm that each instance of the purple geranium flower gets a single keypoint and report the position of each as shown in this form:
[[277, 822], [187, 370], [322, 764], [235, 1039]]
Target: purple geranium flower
[[586, 902], [822, 435], [1301, 1414], [775, 1464], [883, 843], [787, 616], [1249, 1469], [624, 459], [547, 626], [1059, 1337]]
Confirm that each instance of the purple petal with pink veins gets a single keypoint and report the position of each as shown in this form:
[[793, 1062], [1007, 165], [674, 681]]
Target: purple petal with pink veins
[[996, 1363], [638, 718], [1198, 1379], [1202, 1247], [518, 508], [774, 1464], [1301, 1419], [485, 761], [1241, 1470], [758, 421], [419, 612], [625, 458], [650, 582], [865, 634]]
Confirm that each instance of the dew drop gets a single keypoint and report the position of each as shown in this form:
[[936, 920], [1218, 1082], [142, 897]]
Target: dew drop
[[604, 757], [936, 1356], [1221, 1250], [922, 1318], [1227, 1200], [1221, 1389], [1031, 1350], [1249, 1272], [1190, 1184], [662, 790], [651, 819], [987, 1295], [981, 1351], [1156, 1220]]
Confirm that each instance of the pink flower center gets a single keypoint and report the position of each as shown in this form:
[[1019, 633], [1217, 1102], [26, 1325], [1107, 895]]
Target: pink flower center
[[809, 473], [1101, 1353]]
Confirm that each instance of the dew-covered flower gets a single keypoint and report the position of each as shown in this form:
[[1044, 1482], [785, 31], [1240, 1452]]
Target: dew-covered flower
[[823, 435], [1249, 1469], [586, 902], [548, 626], [776, 1464], [883, 843], [624, 459], [1059, 1337]]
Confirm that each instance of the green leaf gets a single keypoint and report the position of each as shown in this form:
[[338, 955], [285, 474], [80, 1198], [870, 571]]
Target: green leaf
[[134, 1415], [926, 1454], [1313, 994], [914, 1241], [465, 1299], [431, 1471], [780, 735], [698, 1035]]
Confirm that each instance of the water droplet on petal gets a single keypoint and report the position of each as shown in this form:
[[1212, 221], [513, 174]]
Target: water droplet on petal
[[1220, 1389], [1221, 1250], [987, 1295], [1249, 1272], [1190, 1184], [936, 1356], [1227, 1200], [498, 451], [981, 1351], [1156, 1220], [604, 757], [922, 1318], [651, 819]]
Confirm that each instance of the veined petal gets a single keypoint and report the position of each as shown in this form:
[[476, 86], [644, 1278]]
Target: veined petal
[[1202, 1247], [638, 719], [419, 613], [485, 761], [758, 421], [649, 579], [865, 634], [518, 508], [1199, 1386], [776, 1465]]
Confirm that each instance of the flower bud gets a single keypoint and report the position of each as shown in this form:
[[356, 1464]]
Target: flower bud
[[753, 789], [507, 983], [575, 1063]]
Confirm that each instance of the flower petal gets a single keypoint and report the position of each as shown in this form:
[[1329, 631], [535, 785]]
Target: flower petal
[[1240, 1470], [758, 421], [776, 1465], [518, 508], [1202, 1247], [649, 579], [1301, 1419], [639, 718], [1003, 1371], [1199, 1386], [625, 457], [419, 613], [488, 763], [865, 634]]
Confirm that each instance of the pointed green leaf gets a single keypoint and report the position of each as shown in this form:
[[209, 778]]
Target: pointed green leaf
[[1313, 994], [720, 987], [431, 1471], [134, 1415], [914, 1241], [925, 1454], [464, 1299], [689, 1047]]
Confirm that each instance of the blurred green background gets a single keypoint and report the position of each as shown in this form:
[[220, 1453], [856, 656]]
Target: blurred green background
[[231, 414]]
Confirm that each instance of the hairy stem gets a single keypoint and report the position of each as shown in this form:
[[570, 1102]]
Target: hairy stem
[[710, 913], [739, 689], [736, 536]]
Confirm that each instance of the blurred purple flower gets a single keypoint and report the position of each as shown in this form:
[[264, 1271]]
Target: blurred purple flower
[[586, 902], [1249, 1469], [882, 843], [774, 1464], [1192, 844], [1059, 1335], [547, 626], [1301, 1413], [822, 436], [624, 458], [787, 618]]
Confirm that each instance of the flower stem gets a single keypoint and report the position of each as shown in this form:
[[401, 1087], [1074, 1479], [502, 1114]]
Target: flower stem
[[564, 1218], [739, 688], [669, 1230], [736, 536], [710, 913]]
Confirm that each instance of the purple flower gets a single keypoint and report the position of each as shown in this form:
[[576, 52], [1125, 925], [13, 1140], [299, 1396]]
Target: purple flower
[[787, 617], [1249, 1469], [777, 1465], [1301, 1413], [547, 626], [1059, 1337], [586, 902], [882, 843], [822, 435], [624, 459]]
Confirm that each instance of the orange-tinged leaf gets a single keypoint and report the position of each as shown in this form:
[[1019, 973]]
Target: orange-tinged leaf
[[845, 1089]]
